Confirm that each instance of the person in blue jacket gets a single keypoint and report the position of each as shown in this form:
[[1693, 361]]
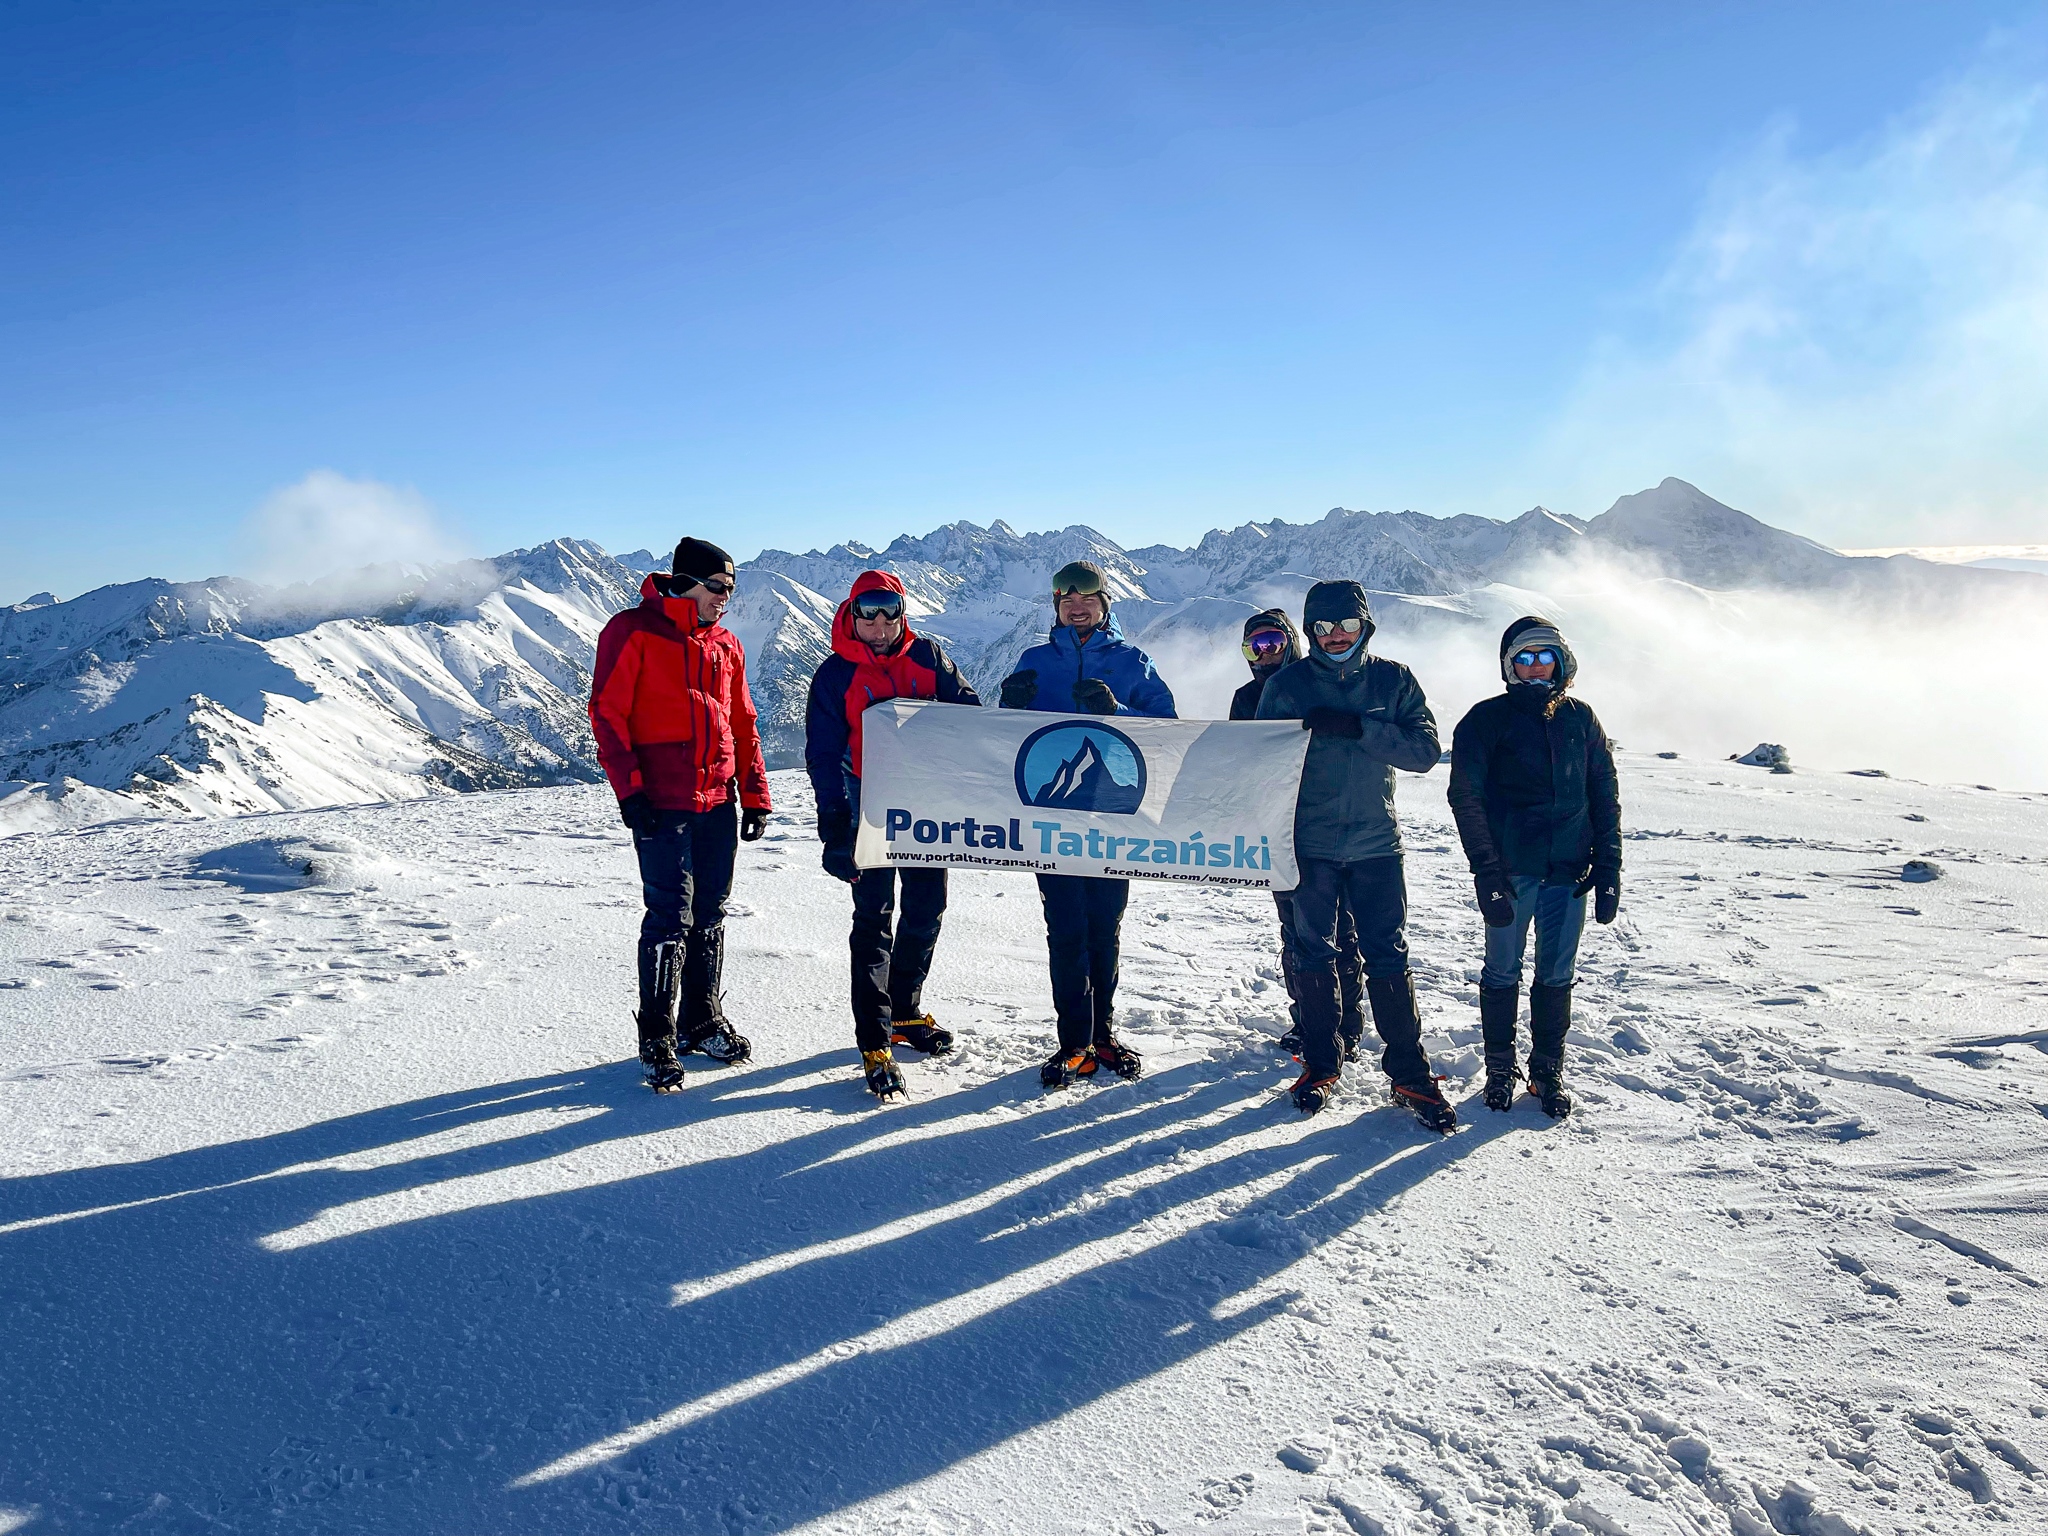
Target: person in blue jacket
[[1085, 667]]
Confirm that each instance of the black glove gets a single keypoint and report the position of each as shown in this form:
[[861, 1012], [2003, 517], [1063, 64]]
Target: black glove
[[835, 831], [1019, 689], [1092, 696], [752, 824], [1606, 895], [1333, 722], [639, 814], [1496, 899], [1584, 883]]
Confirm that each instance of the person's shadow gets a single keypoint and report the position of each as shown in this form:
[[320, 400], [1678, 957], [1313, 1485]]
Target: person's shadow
[[425, 1318]]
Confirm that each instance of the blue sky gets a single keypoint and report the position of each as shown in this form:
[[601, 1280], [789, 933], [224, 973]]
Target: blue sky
[[782, 275]]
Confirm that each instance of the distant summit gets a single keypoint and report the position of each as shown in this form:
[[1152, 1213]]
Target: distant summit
[[224, 696], [1696, 538]]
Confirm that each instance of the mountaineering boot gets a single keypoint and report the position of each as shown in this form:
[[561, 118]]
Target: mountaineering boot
[[705, 1027], [1322, 1049], [1068, 1066], [656, 1020], [1291, 1041], [664, 1072], [1497, 1009], [1550, 1017], [1311, 1092], [884, 1079], [1399, 1022], [1119, 1058], [922, 1034], [1429, 1104]]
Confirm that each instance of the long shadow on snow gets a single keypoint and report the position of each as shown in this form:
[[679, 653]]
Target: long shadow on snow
[[166, 1368]]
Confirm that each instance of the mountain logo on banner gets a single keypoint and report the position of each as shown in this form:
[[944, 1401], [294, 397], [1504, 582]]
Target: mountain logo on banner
[[1076, 767]]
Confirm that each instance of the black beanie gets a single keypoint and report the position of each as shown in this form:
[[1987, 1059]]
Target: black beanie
[[1336, 600], [696, 559]]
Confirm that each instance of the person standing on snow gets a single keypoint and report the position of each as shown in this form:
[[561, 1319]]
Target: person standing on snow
[[1369, 718], [1270, 643], [1085, 666], [876, 656], [675, 734], [1538, 809]]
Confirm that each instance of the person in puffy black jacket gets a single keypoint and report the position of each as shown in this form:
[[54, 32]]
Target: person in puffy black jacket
[[1270, 642], [1539, 812]]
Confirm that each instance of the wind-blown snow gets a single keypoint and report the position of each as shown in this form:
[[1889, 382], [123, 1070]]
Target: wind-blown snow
[[329, 1201]]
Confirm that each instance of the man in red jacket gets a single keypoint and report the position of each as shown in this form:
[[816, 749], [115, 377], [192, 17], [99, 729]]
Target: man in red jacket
[[675, 732]]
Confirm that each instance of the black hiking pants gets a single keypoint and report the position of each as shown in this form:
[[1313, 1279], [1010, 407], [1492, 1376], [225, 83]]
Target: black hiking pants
[[891, 958], [1350, 975], [1375, 892], [1083, 918], [685, 877]]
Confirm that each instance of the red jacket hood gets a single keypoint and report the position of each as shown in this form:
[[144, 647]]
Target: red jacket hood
[[844, 641]]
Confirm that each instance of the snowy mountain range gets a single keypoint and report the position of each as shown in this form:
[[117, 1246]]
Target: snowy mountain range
[[225, 697]]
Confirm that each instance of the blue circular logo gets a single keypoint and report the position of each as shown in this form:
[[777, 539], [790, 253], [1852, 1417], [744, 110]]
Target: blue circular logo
[[1081, 767]]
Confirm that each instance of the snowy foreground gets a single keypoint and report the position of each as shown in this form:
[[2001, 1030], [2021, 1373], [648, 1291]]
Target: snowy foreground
[[335, 1205]]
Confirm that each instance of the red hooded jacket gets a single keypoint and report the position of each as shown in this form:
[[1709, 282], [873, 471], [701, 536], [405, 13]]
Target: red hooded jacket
[[854, 677], [670, 708]]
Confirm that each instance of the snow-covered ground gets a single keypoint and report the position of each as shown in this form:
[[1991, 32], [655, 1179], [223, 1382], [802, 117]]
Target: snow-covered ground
[[331, 1203]]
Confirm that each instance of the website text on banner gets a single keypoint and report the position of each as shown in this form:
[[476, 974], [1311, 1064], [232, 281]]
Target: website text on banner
[[1205, 801]]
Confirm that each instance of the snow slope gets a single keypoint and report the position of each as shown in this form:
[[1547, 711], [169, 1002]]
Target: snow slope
[[328, 1202]]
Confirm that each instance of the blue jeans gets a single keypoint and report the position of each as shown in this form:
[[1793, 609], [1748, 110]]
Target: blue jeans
[[1559, 917]]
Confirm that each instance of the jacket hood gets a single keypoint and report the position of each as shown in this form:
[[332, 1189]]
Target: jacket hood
[[1527, 631], [1276, 618], [1336, 600], [844, 641]]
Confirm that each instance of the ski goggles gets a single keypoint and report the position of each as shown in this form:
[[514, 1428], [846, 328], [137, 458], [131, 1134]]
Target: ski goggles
[[1264, 645], [1323, 627], [1076, 580], [1543, 658], [879, 604]]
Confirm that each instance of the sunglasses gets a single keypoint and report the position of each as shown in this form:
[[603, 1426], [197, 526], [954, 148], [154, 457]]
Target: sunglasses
[[1264, 645], [713, 584], [878, 605], [1323, 627], [1535, 658]]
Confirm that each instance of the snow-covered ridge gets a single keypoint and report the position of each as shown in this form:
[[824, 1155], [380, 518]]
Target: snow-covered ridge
[[225, 697]]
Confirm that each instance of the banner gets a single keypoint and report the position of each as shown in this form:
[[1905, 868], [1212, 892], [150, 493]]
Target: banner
[[1206, 801]]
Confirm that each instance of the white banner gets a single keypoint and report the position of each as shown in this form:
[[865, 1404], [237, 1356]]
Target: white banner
[[1198, 800]]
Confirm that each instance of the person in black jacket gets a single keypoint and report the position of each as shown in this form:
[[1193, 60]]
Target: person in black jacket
[[1368, 717], [1270, 642], [877, 656], [1534, 794]]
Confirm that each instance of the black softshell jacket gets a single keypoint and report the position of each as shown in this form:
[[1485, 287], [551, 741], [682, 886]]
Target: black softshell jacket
[[1244, 704], [1535, 795]]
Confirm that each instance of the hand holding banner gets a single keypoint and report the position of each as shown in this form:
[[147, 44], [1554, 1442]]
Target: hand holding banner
[[1205, 801]]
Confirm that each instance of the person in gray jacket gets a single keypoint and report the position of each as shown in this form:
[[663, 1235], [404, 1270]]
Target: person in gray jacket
[[1369, 717]]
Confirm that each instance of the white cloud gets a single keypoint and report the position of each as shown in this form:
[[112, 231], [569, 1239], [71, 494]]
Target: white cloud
[[328, 523], [1853, 342]]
